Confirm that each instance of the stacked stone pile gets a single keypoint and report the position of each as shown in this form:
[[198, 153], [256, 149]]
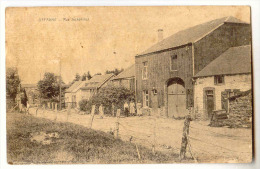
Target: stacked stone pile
[[240, 112]]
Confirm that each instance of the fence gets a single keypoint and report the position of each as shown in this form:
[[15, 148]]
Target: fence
[[187, 137]]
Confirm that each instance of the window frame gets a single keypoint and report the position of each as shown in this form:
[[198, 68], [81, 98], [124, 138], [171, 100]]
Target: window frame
[[171, 62], [145, 73], [216, 80]]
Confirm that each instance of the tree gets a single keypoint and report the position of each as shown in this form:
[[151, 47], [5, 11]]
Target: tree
[[116, 71], [12, 83], [106, 96], [49, 87], [89, 75], [86, 76], [77, 77]]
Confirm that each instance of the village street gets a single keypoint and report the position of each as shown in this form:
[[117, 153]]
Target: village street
[[208, 144]]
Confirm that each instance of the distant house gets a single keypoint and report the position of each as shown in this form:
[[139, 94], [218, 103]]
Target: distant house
[[165, 71], [126, 78], [32, 93], [72, 96], [94, 84], [224, 77], [85, 89]]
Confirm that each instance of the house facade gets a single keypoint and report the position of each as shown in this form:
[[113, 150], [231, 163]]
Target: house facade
[[227, 75], [73, 95], [85, 89], [125, 79], [164, 72]]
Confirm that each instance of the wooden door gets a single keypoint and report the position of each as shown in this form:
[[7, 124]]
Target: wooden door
[[176, 100], [209, 103]]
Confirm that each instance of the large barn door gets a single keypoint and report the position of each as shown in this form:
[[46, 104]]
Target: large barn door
[[176, 100]]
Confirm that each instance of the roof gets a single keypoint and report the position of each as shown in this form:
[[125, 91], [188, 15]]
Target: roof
[[97, 81], [73, 86], [235, 60], [191, 34], [127, 73]]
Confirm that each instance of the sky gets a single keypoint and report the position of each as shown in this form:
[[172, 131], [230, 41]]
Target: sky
[[94, 39]]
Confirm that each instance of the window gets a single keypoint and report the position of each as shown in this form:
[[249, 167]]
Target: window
[[218, 79], [145, 98], [174, 62], [145, 71]]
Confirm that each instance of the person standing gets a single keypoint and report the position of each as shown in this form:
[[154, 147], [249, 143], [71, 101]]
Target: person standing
[[27, 107], [101, 111], [126, 108], [139, 111], [132, 108]]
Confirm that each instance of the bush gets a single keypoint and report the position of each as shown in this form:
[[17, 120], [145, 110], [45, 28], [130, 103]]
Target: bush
[[107, 96]]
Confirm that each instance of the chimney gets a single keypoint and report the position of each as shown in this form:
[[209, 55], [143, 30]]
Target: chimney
[[160, 35]]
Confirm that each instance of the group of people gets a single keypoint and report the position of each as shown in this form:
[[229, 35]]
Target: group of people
[[130, 109]]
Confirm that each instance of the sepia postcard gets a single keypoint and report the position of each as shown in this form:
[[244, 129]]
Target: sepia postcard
[[129, 85]]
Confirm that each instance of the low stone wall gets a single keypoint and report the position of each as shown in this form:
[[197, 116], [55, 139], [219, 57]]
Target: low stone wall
[[240, 112]]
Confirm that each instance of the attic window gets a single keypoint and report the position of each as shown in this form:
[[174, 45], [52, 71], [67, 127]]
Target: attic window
[[173, 62], [218, 79]]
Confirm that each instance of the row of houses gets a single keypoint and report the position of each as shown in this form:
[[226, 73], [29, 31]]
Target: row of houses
[[195, 69]]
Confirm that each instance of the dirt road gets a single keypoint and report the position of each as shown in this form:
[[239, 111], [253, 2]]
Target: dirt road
[[208, 144]]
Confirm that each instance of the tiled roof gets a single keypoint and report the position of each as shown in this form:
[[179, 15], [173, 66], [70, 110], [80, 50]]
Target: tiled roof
[[127, 73], [97, 81], [191, 34], [235, 60], [72, 87]]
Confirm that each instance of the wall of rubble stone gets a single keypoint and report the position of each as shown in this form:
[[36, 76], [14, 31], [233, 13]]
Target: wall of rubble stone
[[240, 112]]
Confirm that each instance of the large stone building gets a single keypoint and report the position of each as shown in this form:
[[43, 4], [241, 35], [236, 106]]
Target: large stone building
[[164, 72], [225, 76]]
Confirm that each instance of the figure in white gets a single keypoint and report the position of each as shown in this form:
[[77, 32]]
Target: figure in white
[[101, 111], [132, 108]]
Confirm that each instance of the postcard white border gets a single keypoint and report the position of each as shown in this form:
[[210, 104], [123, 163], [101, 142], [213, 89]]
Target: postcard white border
[[255, 12]]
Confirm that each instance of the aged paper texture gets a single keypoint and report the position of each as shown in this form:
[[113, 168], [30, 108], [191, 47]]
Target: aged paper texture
[[109, 85]]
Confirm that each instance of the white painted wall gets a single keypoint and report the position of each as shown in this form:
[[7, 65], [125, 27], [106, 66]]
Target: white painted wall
[[242, 82]]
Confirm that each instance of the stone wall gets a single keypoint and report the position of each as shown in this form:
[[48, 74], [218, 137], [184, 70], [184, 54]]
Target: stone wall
[[240, 112]]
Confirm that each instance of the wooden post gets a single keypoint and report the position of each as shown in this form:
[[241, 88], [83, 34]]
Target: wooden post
[[56, 113], [92, 115], [154, 132], [139, 156], [185, 136], [118, 112]]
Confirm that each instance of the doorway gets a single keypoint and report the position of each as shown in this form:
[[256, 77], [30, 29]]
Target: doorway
[[209, 102], [176, 98]]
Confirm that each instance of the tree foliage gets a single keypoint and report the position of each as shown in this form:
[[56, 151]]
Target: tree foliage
[[116, 71], [86, 76], [107, 96], [12, 82], [49, 87]]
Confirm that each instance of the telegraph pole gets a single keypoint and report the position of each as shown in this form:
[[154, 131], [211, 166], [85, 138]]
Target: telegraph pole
[[60, 85]]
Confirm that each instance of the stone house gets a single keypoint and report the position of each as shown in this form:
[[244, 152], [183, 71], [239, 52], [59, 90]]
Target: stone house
[[85, 89], [222, 78], [125, 78], [73, 94], [165, 71]]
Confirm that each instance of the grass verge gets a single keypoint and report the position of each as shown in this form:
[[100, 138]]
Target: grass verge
[[76, 145]]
